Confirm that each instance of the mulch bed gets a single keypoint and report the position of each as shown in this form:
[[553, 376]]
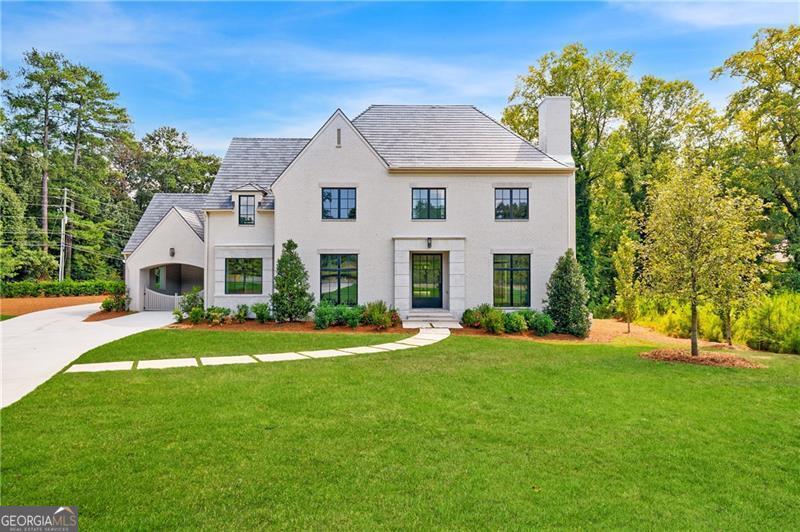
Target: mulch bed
[[301, 326], [471, 331], [107, 315], [15, 306], [683, 356]]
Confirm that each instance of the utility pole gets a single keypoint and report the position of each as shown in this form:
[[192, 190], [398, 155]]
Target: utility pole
[[63, 236]]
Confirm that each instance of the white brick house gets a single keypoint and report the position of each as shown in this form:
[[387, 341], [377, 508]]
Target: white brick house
[[424, 207]]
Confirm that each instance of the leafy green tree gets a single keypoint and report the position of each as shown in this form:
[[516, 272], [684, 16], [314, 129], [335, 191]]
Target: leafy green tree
[[626, 283], [567, 297], [291, 299], [601, 93], [169, 163], [698, 240], [766, 111]]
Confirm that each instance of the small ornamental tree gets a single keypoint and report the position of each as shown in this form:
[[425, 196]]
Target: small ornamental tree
[[567, 297], [291, 300], [626, 284]]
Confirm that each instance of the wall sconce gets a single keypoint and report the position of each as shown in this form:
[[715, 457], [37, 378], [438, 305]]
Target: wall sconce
[[430, 242], [171, 252]]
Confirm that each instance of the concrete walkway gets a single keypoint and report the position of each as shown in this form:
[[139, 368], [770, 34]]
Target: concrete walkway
[[425, 337], [36, 346]]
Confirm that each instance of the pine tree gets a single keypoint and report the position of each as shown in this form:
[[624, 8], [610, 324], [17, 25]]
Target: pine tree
[[567, 297], [291, 300]]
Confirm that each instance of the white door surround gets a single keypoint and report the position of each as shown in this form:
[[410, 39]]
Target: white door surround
[[453, 272]]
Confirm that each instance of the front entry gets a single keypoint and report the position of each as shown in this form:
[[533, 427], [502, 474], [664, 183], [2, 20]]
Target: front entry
[[426, 280]]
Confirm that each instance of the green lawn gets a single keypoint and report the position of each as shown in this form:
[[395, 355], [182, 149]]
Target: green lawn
[[472, 432], [3, 317], [177, 343]]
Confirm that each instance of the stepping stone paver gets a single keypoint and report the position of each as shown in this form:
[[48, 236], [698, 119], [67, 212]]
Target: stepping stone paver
[[416, 342], [219, 361], [393, 346], [279, 357], [363, 350], [167, 363], [100, 366], [325, 353]]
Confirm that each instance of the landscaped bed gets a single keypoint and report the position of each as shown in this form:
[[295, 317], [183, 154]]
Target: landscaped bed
[[472, 432], [176, 343], [16, 306], [289, 326], [725, 360], [102, 315]]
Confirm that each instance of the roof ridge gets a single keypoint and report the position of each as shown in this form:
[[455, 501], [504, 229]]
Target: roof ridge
[[523, 139], [272, 138]]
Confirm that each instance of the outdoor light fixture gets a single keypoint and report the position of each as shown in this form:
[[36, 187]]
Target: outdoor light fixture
[[171, 252], [430, 242]]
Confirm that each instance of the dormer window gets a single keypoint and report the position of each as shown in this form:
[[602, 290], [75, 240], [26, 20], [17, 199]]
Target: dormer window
[[247, 210]]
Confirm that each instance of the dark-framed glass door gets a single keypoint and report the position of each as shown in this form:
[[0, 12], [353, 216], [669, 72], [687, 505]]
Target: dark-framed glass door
[[426, 280]]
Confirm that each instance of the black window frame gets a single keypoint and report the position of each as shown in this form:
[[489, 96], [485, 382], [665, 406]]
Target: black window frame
[[244, 281], [338, 208], [247, 215], [428, 201], [511, 269], [511, 209], [337, 271]]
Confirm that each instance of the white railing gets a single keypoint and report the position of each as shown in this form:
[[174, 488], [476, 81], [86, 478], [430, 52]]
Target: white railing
[[158, 301]]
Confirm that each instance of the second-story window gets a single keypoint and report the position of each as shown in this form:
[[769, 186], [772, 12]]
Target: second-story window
[[338, 204], [247, 210], [428, 204], [511, 204]]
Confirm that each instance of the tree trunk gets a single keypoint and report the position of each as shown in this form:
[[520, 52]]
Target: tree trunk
[[728, 327], [629, 326], [45, 170], [695, 350]]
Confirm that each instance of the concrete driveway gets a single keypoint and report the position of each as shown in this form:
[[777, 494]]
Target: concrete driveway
[[36, 346]]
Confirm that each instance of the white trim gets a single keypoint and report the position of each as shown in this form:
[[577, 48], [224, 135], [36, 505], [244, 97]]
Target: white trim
[[337, 252]]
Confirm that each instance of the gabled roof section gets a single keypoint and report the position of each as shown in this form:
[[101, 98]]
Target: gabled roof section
[[447, 137], [188, 206], [250, 187], [256, 161]]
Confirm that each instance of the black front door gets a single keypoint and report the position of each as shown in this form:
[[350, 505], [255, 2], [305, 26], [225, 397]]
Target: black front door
[[426, 280]]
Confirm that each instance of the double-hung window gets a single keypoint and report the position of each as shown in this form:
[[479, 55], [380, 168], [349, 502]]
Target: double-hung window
[[428, 204], [243, 276], [511, 204], [339, 279], [338, 204], [247, 210], [512, 280]]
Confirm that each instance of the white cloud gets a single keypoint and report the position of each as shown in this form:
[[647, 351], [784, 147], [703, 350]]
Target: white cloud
[[710, 15]]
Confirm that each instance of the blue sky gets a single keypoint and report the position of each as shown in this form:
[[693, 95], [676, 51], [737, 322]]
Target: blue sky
[[219, 70]]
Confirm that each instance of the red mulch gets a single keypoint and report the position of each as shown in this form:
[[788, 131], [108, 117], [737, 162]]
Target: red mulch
[[300, 326], [15, 306], [723, 360], [107, 315]]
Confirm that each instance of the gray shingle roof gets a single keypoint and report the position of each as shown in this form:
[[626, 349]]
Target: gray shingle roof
[[446, 136], [189, 206], [251, 160]]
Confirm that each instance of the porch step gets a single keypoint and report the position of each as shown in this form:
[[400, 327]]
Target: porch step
[[437, 319]]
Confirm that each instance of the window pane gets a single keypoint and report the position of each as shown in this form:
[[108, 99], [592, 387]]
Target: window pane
[[520, 295], [328, 262], [502, 261], [349, 261], [329, 284], [348, 287], [522, 261], [330, 201], [339, 279], [243, 276], [502, 203], [502, 288]]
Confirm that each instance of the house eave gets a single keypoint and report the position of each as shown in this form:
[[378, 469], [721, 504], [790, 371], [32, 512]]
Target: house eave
[[567, 170]]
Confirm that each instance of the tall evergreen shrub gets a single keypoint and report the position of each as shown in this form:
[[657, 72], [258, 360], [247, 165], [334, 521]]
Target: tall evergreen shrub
[[567, 297], [291, 300]]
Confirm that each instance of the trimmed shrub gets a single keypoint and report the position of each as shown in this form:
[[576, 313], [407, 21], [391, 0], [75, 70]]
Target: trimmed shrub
[[541, 324], [191, 299], [117, 302], [352, 316], [567, 297], [377, 314], [493, 321], [196, 315], [60, 288], [291, 300], [515, 323], [394, 316], [471, 318], [773, 324], [178, 315], [261, 310], [241, 313], [324, 315], [217, 315]]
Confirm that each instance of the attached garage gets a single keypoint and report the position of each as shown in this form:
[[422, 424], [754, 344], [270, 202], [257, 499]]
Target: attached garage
[[164, 257]]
